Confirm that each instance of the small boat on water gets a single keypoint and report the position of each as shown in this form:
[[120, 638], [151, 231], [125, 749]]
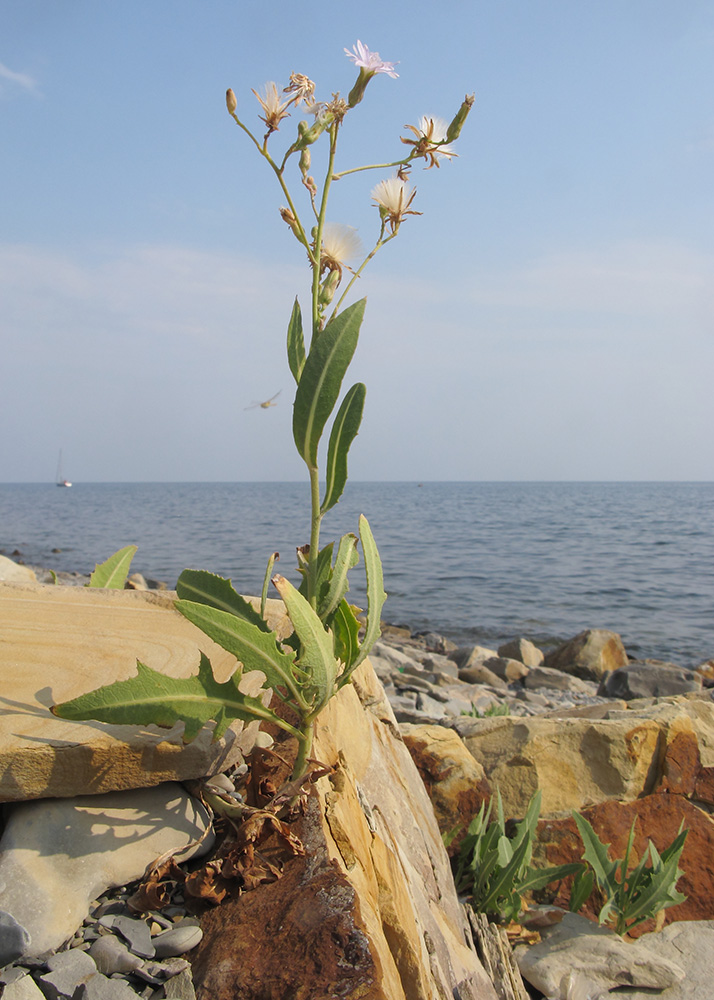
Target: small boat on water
[[61, 481]]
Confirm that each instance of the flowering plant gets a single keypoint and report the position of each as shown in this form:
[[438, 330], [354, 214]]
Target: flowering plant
[[305, 669]]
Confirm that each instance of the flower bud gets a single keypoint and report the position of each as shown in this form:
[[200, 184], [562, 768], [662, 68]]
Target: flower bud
[[357, 92], [288, 217], [308, 134], [231, 102], [329, 287], [454, 130], [305, 161]]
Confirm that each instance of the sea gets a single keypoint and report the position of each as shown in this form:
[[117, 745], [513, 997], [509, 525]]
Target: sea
[[476, 562]]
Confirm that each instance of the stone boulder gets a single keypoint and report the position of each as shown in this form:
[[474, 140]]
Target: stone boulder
[[574, 762], [60, 642], [455, 782], [523, 650], [576, 955], [590, 655], [649, 679], [370, 910], [12, 572]]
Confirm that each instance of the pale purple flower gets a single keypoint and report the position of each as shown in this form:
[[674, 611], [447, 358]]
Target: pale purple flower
[[370, 61]]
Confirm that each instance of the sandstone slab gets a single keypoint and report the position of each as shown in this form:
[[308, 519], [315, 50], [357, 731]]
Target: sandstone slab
[[574, 762], [60, 642]]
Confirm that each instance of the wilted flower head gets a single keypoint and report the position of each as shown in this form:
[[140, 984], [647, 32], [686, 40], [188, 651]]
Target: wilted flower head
[[369, 64], [430, 134], [339, 244], [393, 198], [231, 102], [370, 61], [300, 87], [273, 107]]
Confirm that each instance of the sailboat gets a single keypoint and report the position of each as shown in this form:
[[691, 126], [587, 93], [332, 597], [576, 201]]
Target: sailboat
[[61, 481]]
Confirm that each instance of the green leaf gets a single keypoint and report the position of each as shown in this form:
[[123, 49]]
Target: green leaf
[[345, 559], [266, 582], [345, 631], [112, 574], [296, 342], [321, 379], [252, 646], [597, 857], [317, 656], [582, 887], [200, 587], [153, 698], [344, 431], [375, 595], [539, 878]]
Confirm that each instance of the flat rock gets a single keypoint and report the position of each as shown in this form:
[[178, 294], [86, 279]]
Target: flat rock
[[689, 943], [578, 948], [56, 856], [60, 642]]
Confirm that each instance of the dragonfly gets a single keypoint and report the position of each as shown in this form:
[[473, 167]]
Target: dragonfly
[[266, 402]]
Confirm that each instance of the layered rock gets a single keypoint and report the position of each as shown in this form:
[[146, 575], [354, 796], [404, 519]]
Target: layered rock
[[60, 642], [370, 910]]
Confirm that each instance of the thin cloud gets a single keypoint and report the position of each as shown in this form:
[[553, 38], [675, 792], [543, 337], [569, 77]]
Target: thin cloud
[[22, 80]]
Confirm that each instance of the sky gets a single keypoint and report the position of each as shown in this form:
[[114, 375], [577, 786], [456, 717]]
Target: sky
[[548, 316]]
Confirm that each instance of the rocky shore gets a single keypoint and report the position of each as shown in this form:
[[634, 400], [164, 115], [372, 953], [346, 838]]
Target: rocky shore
[[591, 729]]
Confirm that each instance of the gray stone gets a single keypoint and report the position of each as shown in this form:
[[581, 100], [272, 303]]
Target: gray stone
[[547, 677], [68, 970], [508, 669], [112, 955], [136, 933], [100, 987], [57, 856], [649, 679], [180, 939], [689, 943], [23, 988], [479, 673], [14, 938], [578, 948], [180, 987], [523, 650], [466, 656]]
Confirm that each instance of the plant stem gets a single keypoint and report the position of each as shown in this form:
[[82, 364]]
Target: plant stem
[[304, 748], [316, 518], [372, 166]]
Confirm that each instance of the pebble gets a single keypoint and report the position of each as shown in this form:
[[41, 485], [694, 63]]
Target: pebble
[[180, 939]]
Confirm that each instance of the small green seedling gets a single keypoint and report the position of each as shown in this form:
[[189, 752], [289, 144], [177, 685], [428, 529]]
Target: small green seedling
[[631, 897], [495, 870]]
